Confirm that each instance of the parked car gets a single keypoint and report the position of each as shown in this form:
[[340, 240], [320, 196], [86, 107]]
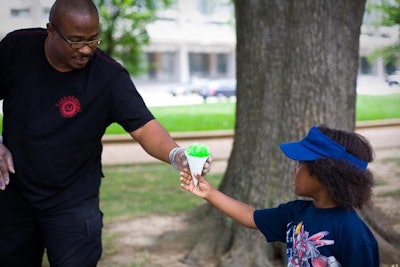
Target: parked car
[[394, 78], [219, 88], [192, 87]]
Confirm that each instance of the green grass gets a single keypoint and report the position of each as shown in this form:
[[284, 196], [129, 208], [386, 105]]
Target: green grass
[[188, 118], [142, 189], [201, 117], [221, 116], [394, 193], [377, 107]]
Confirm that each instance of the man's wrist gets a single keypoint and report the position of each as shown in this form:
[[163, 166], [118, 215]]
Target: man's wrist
[[172, 155]]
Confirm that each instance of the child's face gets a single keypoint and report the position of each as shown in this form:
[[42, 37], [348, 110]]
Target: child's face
[[305, 185]]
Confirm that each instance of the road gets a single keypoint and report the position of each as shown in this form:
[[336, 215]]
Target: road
[[158, 94]]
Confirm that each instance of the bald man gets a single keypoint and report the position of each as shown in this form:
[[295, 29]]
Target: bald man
[[60, 93]]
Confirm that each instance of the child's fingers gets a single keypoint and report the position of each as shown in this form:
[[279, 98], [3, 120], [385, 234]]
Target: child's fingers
[[183, 180], [184, 175], [183, 186], [198, 176], [186, 179]]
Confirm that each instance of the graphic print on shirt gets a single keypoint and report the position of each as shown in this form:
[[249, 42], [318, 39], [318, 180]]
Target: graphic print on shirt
[[304, 250], [69, 106]]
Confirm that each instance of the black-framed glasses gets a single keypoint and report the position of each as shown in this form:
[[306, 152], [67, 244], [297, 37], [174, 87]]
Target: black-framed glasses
[[77, 45]]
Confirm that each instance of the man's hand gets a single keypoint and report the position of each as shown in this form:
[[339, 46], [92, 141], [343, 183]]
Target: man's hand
[[6, 166], [179, 161]]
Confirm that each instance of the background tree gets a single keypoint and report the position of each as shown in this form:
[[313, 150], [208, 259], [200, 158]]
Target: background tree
[[297, 64], [387, 14], [123, 29]]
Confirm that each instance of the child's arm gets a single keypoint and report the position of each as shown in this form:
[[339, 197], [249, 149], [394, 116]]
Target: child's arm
[[240, 212]]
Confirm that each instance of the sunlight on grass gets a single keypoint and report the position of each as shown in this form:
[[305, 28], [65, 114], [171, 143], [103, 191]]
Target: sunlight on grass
[[221, 116], [377, 107], [189, 118], [202, 117]]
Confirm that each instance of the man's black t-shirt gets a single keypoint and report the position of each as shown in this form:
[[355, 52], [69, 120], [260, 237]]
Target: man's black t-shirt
[[53, 121]]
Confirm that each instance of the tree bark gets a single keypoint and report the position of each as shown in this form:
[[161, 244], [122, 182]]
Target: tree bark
[[297, 64]]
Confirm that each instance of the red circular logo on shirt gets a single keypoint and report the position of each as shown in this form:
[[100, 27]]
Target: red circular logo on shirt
[[69, 106]]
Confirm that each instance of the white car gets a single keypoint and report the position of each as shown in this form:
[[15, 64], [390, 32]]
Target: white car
[[192, 87], [394, 78]]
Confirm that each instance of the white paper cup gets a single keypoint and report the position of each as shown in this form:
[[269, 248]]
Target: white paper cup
[[196, 165]]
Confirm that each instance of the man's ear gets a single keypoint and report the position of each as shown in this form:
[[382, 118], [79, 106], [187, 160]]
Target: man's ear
[[50, 28]]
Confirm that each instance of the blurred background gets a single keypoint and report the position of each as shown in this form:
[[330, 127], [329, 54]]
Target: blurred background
[[188, 46]]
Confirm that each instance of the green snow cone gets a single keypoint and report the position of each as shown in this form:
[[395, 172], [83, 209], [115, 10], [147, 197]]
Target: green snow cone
[[196, 155], [198, 150]]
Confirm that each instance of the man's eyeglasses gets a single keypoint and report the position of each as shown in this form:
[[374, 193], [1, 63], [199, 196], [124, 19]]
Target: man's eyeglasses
[[77, 45]]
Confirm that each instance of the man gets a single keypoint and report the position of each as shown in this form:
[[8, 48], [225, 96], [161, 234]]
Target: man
[[60, 93]]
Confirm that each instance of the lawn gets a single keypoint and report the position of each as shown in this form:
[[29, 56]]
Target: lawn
[[377, 107], [221, 116], [142, 189]]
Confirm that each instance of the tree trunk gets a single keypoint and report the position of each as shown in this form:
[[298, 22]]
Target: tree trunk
[[297, 65]]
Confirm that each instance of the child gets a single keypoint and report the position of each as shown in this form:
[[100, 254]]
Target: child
[[331, 169]]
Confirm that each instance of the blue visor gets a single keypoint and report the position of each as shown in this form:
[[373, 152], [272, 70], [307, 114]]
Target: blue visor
[[316, 145]]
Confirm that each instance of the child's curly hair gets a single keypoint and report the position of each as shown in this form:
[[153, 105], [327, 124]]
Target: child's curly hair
[[348, 185]]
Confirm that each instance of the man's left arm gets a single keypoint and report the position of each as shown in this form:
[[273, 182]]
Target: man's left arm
[[155, 140], [158, 143]]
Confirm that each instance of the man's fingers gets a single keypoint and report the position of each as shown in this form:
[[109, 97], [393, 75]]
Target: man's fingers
[[6, 166], [10, 163], [4, 176]]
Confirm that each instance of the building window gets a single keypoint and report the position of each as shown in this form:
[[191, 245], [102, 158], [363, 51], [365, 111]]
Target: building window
[[161, 66], [390, 66], [222, 64], [152, 65], [168, 65], [198, 64], [366, 67], [204, 7], [20, 12]]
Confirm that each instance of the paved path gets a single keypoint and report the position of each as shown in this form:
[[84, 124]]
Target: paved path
[[383, 139], [123, 153]]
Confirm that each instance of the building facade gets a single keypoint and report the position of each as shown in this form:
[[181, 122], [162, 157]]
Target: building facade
[[192, 39]]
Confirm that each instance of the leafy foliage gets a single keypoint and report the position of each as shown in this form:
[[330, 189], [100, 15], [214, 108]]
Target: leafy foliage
[[389, 11], [388, 15], [123, 27]]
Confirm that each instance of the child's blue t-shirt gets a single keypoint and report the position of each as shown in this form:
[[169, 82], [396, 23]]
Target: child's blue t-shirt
[[319, 237]]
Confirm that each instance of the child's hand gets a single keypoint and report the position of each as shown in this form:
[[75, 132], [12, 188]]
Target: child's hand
[[201, 190]]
